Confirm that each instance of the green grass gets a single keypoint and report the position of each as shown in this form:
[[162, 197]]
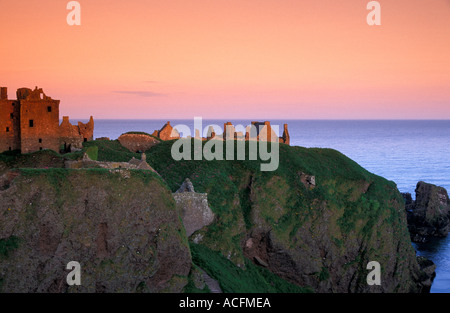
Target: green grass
[[111, 151], [232, 279], [191, 288], [9, 156], [92, 152], [8, 245], [359, 201]]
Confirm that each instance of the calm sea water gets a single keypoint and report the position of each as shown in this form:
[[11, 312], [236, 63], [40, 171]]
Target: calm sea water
[[402, 151]]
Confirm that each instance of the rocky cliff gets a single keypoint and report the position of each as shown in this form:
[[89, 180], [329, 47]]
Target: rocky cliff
[[122, 226]]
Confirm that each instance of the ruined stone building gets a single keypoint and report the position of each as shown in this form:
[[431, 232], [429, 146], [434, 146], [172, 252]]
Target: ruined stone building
[[31, 123], [167, 132], [264, 132]]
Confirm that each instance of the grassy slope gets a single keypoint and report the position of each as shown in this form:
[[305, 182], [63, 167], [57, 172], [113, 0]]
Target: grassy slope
[[364, 206]]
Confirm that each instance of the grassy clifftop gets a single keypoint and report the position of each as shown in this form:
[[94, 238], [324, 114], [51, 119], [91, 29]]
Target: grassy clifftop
[[318, 236]]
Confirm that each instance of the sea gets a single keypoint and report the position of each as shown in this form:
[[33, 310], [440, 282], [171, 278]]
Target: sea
[[404, 151]]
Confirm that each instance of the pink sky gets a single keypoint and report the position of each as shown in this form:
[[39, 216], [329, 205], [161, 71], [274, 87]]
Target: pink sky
[[245, 59]]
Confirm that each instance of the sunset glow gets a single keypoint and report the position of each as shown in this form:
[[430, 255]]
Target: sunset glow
[[232, 58]]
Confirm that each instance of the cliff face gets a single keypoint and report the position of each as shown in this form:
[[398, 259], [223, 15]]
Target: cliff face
[[121, 226], [317, 221]]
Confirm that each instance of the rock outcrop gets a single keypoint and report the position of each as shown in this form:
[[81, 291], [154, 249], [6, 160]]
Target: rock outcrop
[[428, 273], [194, 208], [429, 214], [125, 232]]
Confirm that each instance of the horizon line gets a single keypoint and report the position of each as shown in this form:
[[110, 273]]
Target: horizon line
[[265, 119]]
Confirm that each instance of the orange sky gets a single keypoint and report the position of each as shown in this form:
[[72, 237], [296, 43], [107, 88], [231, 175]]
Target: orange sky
[[246, 59]]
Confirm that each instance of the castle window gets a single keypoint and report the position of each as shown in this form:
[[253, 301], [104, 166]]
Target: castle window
[[9, 148], [85, 139], [31, 123], [11, 115], [40, 140], [40, 148], [49, 109], [7, 129]]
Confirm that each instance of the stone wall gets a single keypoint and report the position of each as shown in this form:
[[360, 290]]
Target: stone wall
[[137, 142], [39, 121], [168, 133], [9, 123], [72, 136]]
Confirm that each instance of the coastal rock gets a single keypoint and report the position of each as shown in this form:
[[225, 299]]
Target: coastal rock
[[409, 202], [429, 214], [194, 208], [428, 273], [311, 253]]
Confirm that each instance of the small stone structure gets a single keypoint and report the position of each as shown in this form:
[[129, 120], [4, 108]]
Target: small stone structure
[[86, 162], [194, 208]]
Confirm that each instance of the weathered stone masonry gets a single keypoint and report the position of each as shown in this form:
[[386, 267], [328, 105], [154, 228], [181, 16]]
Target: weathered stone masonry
[[31, 123]]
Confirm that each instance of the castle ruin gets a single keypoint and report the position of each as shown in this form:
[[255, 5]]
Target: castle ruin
[[31, 123], [263, 130]]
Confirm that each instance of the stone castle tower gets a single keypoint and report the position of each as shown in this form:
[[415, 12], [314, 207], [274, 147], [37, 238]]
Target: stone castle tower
[[31, 123]]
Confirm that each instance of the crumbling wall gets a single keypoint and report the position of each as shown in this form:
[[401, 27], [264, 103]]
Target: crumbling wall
[[73, 136], [87, 130], [39, 121], [168, 133], [285, 138], [9, 122]]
